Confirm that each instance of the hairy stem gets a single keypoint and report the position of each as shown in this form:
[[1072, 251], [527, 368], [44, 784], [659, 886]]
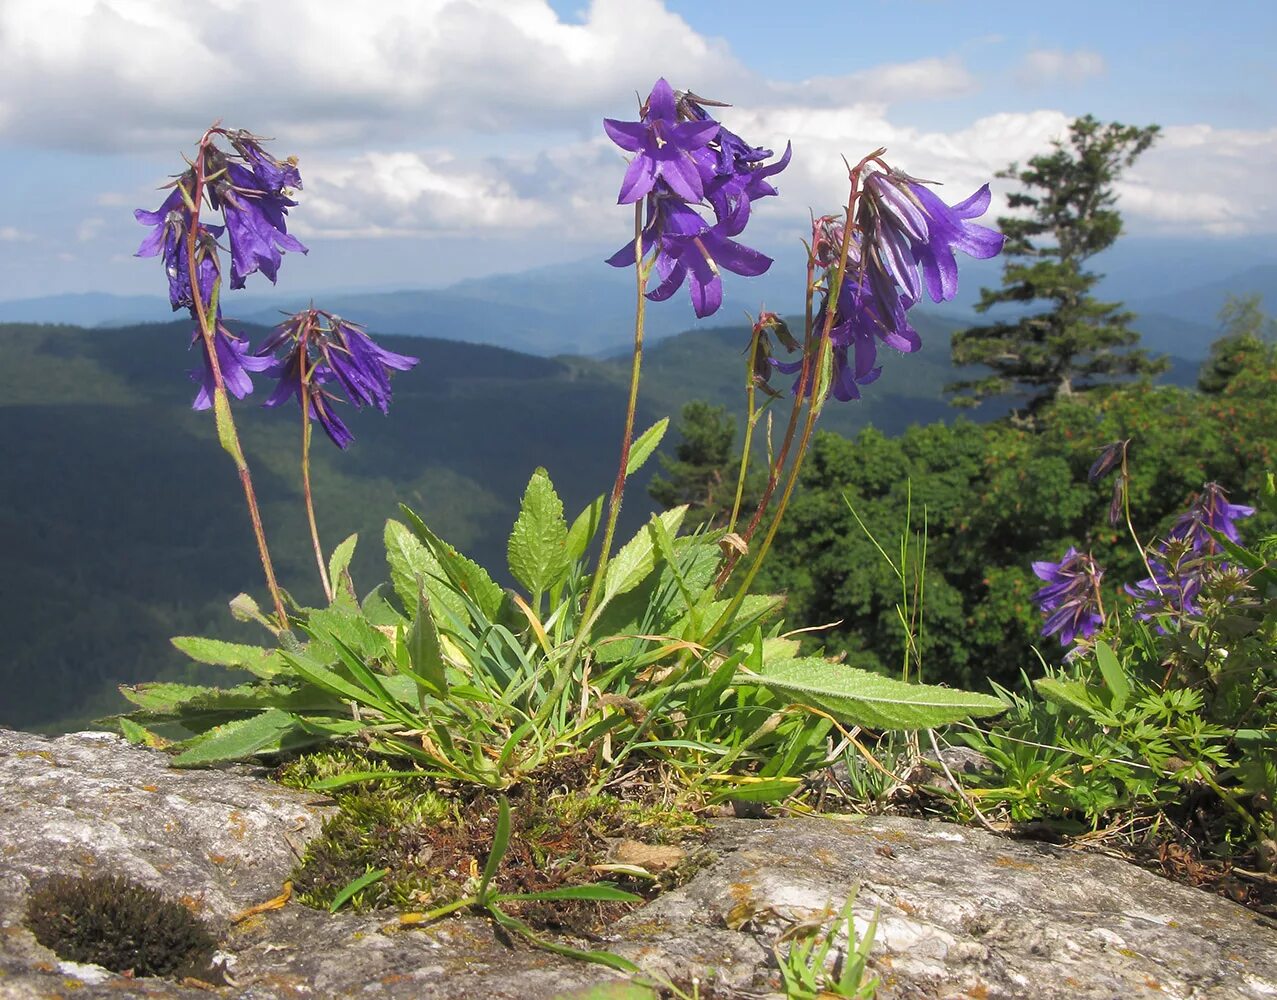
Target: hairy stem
[[226, 432], [750, 421], [306, 493]]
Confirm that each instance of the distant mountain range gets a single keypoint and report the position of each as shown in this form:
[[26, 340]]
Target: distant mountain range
[[586, 308]]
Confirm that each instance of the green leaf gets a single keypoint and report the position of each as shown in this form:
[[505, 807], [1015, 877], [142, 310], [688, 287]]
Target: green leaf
[[637, 557], [863, 698], [139, 735], [603, 892], [413, 565], [1067, 694], [744, 789], [643, 446], [466, 575], [358, 777], [500, 843], [1119, 684], [238, 740], [538, 544], [425, 652], [339, 565], [162, 696], [262, 662], [598, 957], [347, 891], [583, 530]]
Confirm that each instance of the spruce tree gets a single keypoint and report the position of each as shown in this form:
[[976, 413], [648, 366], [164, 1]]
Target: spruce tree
[[703, 471], [1246, 328], [1063, 341]]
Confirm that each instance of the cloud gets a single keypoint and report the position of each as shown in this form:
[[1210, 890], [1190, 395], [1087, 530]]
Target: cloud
[[12, 234], [923, 79], [89, 228], [146, 74], [1050, 66]]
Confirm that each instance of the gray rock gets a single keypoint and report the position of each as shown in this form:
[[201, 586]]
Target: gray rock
[[961, 913]]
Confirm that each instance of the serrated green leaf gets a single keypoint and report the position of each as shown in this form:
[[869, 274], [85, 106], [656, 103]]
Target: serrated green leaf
[[643, 446], [412, 564], [238, 740], [465, 574], [162, 696], [637, 557], [265, 663], [139, 735], [537, 548], [1119, 684], [584, 529], [863, 698], [339, 564]]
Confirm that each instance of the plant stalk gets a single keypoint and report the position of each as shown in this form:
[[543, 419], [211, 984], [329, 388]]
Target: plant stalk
[[227, 434]]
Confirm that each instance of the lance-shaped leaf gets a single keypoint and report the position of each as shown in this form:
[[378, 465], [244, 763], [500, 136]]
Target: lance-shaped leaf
[[538, 544], [465, 575], [339, 567], [239, 740], [863, 698], [637, 557], [413, 565], [584, 529], [262, 662], [643, 446], [425, 652]]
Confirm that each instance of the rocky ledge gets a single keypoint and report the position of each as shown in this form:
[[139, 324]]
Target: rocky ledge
[[961, 913]]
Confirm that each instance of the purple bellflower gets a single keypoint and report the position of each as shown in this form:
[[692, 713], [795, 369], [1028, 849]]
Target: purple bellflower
[[255, 223], [235, 361], [1180, 560], [685, 158], [1071, 598], [321, 351], [913, 228]]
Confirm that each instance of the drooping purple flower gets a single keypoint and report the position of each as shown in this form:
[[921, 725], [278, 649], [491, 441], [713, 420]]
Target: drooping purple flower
[[256, 224], [361, 366], [693, 251], [288, 370], [273, 175], [320, 350], [1209, 509], [663, 148], [168, 240], [915, 228], [733, 173], [235, 362], [1071, 598], [1175, 583]]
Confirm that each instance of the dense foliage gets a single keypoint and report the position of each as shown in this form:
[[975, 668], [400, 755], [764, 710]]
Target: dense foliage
[[996, 498]]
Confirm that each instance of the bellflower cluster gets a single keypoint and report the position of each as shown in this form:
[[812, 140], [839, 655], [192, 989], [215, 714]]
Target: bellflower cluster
[[1180, 559], [683, 158], [903, 239], [248, 187], [1113, 456], [320, 352], [1071, 597]]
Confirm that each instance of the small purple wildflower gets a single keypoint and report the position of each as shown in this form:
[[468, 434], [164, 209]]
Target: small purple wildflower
[[255, 223], [914, 227], [1209, 509], [664, 148], [1071, 597], [320, 350], [235, 361], [684, 158], [1113, 456]]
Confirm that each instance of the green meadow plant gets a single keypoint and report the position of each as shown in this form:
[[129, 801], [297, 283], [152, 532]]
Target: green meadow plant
[[647, 652], [1163, 718]]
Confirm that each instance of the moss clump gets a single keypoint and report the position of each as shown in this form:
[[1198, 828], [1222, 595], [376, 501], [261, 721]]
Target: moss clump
[[432, 840], [121, 925]]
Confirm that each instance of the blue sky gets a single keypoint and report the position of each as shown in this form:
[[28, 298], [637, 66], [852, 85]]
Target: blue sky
[[443, 139]]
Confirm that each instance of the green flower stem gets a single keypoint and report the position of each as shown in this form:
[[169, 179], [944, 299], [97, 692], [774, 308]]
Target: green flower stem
[[749, 428], [306, 493], [773, 474], [641, 272], [813, 411], [226, 432]]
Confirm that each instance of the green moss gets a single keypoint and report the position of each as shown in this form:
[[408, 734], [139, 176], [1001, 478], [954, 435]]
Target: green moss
[[433, 844], [118, 924]]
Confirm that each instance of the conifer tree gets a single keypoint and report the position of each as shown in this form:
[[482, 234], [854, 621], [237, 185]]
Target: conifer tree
[[1067, 341], [1246, 327], [703, 471]]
